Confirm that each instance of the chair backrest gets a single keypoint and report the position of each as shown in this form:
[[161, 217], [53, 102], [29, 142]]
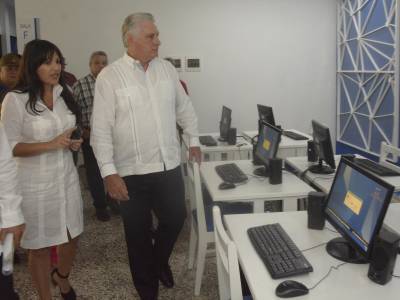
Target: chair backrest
[[389, 156], [227, 262], [196, 195]]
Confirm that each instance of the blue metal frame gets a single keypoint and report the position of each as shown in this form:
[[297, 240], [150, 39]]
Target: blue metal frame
[[367, 75]]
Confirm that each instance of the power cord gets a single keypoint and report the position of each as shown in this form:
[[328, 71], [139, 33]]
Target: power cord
[[331, 230], [327, 274], [313, 247], [259, 178]]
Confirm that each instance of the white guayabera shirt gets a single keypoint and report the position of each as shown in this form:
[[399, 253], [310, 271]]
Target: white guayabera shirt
[[52, 202], [134, 118]]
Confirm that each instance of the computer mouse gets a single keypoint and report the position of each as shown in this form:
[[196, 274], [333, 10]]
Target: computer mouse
[[226, 186], [290, 288]]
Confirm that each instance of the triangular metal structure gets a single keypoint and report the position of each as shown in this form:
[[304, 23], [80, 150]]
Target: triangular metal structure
[[368, 74]]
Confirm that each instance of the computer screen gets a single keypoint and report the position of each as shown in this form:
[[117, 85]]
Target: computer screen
[[266, 114], [323, 147], [356, 207], [225, 123], [268, 141]]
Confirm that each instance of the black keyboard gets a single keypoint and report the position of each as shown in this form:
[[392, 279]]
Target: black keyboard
[[374, 167], [207, 140], [278, 252], [294, 135], [231, 173]]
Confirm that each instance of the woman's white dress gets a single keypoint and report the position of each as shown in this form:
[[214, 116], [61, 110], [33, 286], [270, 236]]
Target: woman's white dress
[[52, 202]]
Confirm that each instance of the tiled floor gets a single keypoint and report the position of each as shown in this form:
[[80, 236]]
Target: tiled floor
[[101, 268]]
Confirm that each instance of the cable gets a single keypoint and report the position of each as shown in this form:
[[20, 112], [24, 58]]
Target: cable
[[259, 178], [331, 230], [327, 274], [313, 247]]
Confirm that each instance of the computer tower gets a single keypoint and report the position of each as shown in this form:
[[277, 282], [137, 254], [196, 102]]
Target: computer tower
[[315, 210], [383, 258], [231, 136]]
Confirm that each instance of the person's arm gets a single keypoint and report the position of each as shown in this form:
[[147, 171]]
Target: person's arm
[[102, 124], [59, 142], [11, 218], [12, 117]]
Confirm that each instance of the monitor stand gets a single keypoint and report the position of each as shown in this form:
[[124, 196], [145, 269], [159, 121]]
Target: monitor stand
[[221, 139], [341, 249], [321, 169], [262, 171]]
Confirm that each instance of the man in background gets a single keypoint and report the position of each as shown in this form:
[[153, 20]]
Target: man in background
[[138, 101], [9, 65], [84, 93]]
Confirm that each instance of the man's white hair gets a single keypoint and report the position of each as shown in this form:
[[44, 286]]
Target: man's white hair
[[131, 22]]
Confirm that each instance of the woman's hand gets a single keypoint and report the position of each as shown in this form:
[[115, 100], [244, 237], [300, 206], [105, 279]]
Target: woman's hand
[[17, 231], [63, 140], [76, 144]]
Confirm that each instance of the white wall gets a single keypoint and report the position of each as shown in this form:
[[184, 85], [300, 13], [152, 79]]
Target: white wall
[[277, 52]]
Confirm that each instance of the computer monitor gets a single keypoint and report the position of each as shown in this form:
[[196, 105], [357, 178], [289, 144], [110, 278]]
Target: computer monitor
[[268, 141], [356, 207], [324, 151], [266, 114], [225, 123]]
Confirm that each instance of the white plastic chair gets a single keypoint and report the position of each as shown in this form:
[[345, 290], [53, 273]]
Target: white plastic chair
[[201, 231], [389, 156], [227, 262]]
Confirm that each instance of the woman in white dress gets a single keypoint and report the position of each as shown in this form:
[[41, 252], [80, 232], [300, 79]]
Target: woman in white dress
[[39, 118]]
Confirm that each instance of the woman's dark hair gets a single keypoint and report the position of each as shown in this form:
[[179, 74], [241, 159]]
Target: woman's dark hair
[[36, 53]]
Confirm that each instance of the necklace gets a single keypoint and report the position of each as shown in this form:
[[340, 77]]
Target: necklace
[[49, 105]]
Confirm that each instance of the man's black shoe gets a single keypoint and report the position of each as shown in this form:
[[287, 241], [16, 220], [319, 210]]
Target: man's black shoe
[[102, 215], [166, 277]]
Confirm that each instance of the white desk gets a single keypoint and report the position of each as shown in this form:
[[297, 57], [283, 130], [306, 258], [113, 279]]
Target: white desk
[[256, 190], [349, 282], [223, 151], [324, 182]]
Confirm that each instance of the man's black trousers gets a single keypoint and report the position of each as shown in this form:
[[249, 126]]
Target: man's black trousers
[[163, 194]]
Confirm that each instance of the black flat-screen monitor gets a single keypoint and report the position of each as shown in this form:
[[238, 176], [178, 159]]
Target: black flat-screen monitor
[[266, 114], [225, 123], [356, 207], [324, 151], [268, 141]]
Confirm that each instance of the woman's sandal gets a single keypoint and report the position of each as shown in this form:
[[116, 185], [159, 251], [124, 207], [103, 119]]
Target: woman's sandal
[[70, 295]]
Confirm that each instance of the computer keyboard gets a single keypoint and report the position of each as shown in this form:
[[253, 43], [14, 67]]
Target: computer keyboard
[[231, 173], [278, 252], [293, 135], [374, 167], [207, 140]]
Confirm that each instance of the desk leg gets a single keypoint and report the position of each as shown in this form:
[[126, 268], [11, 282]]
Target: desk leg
[[289, 204], [258, 206]]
